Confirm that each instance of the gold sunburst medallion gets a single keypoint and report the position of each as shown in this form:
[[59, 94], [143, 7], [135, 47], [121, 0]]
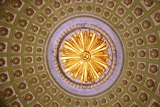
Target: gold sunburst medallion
[[85, 56]]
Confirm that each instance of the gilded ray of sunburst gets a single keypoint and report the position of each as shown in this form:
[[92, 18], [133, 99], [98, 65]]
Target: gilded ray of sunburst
[[85, 56]]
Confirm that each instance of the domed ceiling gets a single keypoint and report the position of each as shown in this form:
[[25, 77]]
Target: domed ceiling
[[79, 53]]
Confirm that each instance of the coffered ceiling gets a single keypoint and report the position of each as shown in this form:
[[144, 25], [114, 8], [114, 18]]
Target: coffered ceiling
[[31, 29]]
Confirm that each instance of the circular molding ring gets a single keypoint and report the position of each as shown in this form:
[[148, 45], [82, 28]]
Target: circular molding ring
[[111, 51], [116, 47]]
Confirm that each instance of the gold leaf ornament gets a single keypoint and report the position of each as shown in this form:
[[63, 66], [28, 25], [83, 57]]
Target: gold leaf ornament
[[85, 56]]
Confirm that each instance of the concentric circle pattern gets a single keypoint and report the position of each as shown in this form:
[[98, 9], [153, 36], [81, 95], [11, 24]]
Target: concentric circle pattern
[[33, 40], [85, 56]]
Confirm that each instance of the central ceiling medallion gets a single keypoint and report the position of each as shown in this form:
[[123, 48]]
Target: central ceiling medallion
[[84, 56]]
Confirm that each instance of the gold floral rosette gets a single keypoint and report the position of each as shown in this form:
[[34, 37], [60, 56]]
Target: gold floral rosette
[[85, 56]]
